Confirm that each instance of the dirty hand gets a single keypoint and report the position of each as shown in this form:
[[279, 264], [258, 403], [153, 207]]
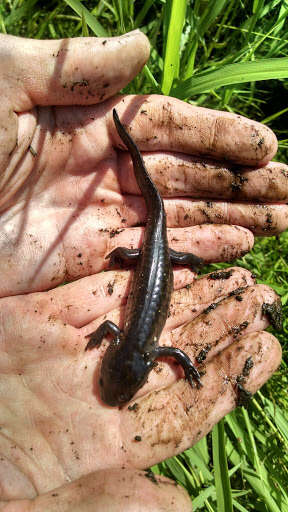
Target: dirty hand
[[61, 448], [67, 190]]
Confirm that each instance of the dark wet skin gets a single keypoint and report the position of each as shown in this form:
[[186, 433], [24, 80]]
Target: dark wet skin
[[132, 353]]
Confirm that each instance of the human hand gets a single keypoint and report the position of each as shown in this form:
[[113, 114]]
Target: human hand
[[61, 448], [68, 195]]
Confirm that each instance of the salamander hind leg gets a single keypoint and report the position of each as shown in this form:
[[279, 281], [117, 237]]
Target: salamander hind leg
[[97, 336], [191, 373], [122, 254], [186, 258]]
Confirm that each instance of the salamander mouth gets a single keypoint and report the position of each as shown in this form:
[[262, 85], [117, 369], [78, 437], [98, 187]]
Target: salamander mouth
[[121, 376], [116, 400], [120, 394]]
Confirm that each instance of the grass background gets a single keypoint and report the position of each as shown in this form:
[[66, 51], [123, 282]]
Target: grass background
[[230, 55]]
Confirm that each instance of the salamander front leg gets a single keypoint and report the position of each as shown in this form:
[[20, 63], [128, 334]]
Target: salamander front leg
[[123, 254], [189, 369], [186, 258], [97, 336]]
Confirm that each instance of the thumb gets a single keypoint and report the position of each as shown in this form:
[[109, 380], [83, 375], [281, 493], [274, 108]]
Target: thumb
[[80, 71]]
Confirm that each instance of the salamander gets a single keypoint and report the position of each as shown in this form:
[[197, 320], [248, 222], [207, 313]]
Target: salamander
[[132, 352]]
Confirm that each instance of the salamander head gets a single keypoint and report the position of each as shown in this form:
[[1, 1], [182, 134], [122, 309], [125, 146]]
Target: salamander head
[[122, 375]]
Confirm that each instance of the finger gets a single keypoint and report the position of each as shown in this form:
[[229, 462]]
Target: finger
[[113, 490], [183, 175], [172, 419], [227, 321], [80, 302], [85, 247], [261, 219], [214, 329], [210, 242], [158, 124], [60, 75], [188, 300]]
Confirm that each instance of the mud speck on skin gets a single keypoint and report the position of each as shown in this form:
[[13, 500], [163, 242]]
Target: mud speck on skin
[[274, 313], [247, 366], [203, 354], [115, 232], [81, 83], [133, 407], [244, 396], [237, 329], [110, 288], [210, 308], [237, 183], [237, 292], [149, 474], [222, 274], [268, 222]]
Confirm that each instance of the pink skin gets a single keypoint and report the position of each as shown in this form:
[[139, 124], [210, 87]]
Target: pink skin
[[57, 430], [67, 189], [68, 197]]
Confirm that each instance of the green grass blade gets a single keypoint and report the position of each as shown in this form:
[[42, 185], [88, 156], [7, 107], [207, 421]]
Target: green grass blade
[[2, 25], [238, 506], [18, 13], [253, 451], [262, 489], [141, 15], [202, 448], [211, 12], [239, 434], [222, 481], [85, 31], [200, 500], [274, 116], [172, 50], [209, 15], [280, 420], [195, 459], [46, 23], [191, 61], [91, 21], [261, 486], [180, 472], [237, 73], [151, 78]]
